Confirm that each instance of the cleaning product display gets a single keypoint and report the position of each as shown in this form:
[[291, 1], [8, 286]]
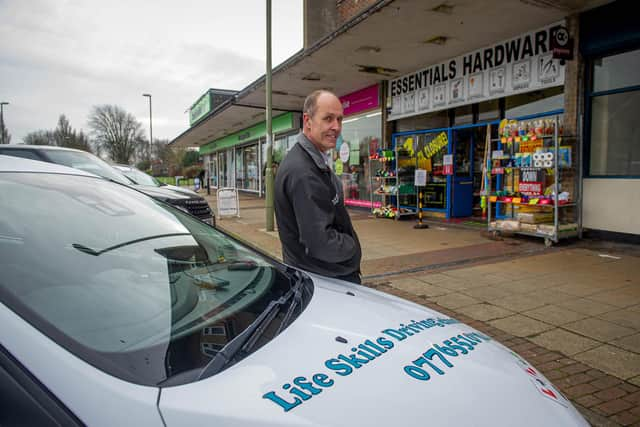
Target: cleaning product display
[[392, 173], [532, 163]]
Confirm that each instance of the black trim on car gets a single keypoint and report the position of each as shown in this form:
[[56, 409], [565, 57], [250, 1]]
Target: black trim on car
[[49, 410]]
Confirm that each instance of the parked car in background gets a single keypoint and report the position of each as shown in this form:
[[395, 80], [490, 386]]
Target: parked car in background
[[78, 159], [142, 178], [118, 309]]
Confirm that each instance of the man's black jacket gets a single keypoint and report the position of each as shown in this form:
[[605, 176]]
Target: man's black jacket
[[315, 229]]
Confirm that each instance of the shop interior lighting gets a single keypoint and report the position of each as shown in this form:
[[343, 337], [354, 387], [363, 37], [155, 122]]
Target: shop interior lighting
[[377, 113], [439, 40], [351, 120]]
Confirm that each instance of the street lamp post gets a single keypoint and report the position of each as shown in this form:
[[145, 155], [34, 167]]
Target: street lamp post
[[2, 104], [148, 95], [269, 184]]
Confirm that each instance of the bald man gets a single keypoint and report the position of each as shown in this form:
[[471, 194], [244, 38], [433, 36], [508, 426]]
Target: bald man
[[314, 226]]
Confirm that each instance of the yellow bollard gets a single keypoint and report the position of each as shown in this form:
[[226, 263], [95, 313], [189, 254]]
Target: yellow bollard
[[420, 224]]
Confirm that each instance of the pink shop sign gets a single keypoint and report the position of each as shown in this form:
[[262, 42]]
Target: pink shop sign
[[361, 100]]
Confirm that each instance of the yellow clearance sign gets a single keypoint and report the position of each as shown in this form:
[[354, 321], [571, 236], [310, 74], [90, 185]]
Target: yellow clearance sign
[[425, 153]]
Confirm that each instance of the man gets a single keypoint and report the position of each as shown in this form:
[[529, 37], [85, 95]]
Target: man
[[315, 229]]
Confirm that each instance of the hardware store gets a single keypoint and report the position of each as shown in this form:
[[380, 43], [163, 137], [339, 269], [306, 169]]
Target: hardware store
[[441, 114]]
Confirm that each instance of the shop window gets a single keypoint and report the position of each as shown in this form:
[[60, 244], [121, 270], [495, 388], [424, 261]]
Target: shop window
[[614, 129], [225, 165], [536, 102], [362, 134], [436, 120], [247, 167], [463, 115], [279, 149], [489, 110], [616, 71]]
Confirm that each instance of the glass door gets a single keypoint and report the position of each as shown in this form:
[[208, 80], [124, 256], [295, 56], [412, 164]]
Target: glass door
[[462, 194], [250, 163], [213, 170]]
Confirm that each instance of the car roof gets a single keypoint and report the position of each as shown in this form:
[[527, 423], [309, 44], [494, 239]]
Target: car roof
[[39, 147], [17, 164]]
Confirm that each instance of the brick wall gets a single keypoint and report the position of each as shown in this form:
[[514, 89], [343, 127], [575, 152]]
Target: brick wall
[[574, 72], [347, 9]]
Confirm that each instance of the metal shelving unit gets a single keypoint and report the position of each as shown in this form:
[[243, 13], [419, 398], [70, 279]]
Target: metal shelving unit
[[406, 202], [565, 215], [380, 182]]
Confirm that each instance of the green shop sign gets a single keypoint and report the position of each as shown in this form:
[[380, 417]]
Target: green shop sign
[[279, 124], [200, 108]]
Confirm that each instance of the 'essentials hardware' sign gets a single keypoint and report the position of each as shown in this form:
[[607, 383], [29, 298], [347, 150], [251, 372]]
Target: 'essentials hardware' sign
[[518, 65]]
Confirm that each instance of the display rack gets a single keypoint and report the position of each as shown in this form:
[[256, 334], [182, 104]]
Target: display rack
[[391, 186], [406, 199], [383, 181], [537, 192]]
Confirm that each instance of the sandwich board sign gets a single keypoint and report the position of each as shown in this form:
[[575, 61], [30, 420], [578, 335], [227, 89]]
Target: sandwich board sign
[[228, 203]]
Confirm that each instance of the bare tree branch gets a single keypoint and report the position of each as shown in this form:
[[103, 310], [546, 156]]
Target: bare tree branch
[[116, 132]]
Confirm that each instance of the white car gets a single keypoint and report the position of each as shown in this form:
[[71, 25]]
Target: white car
[[118, 309]]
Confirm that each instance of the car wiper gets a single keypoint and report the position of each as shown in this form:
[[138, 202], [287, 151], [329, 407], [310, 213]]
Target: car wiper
[[91, 251], [297, 290], [247, 338]]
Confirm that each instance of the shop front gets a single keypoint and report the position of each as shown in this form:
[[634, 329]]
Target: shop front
[[237, 160], [610, 45], [361, 133], [447, 118]]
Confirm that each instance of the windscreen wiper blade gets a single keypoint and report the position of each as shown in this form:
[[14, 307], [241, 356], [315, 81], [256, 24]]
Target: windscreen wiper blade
[[297, 290], [91, 251], [247, 338]]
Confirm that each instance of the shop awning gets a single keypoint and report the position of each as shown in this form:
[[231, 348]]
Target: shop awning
[[390, 39]]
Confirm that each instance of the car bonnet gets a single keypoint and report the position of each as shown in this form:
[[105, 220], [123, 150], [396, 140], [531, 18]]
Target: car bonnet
[[349, 360]]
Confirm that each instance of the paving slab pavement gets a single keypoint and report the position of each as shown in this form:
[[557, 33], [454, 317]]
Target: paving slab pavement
[[573, 310]]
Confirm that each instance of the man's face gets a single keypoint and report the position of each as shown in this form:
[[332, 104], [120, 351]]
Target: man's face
[[323, 129]]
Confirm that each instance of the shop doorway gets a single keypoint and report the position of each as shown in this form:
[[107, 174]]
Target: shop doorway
[[462, 191], [468, 150], [213, 171]]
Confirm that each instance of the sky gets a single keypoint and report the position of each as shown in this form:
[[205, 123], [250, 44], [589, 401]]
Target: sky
[[65, 56]]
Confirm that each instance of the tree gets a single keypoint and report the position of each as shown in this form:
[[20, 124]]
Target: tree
[[39, 137], [116, 132], [63, 133], [190, 158], [160, 150], [81, 141], [65, 136], [6, 136]]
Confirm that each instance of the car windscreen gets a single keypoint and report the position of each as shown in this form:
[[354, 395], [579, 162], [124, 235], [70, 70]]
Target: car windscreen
[[88, 163], [139, 177], [135, 287]]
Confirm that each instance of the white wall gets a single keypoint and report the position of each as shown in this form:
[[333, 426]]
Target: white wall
[[611, 205]]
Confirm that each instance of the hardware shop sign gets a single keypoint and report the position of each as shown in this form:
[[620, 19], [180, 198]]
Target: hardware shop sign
[[518, 65]]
